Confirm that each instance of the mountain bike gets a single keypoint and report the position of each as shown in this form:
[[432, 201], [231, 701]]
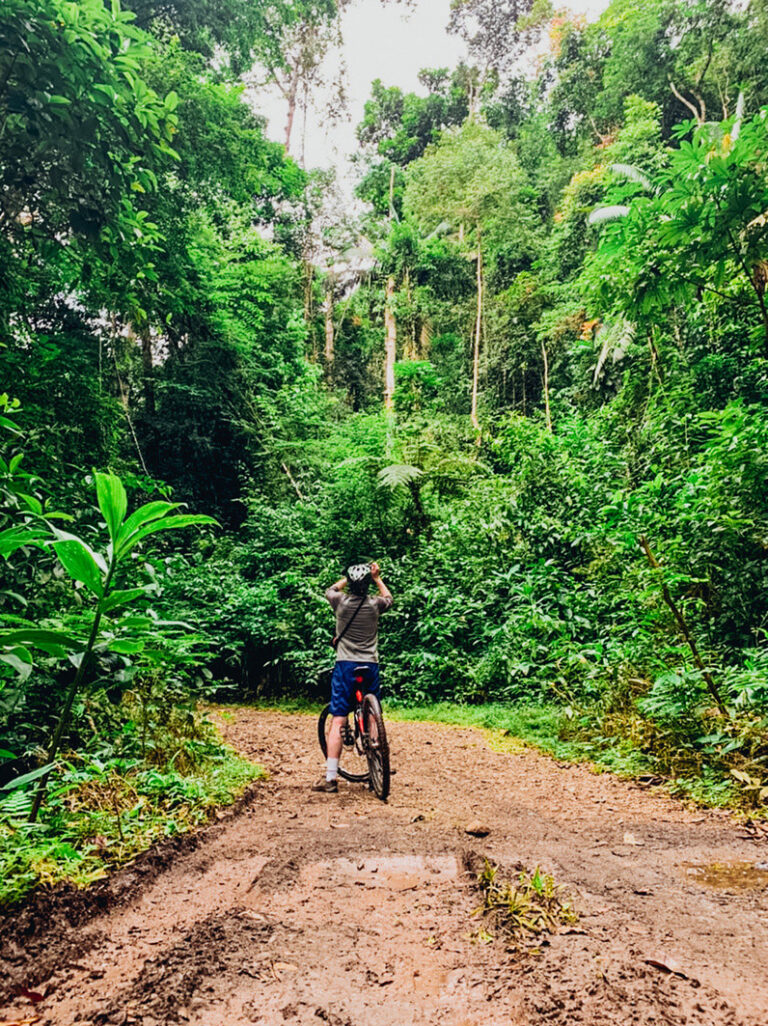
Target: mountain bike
[[365, 752]]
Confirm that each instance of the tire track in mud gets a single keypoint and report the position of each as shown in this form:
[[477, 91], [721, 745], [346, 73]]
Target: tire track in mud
[[305, 908]]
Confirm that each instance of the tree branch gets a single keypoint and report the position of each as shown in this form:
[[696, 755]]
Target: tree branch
[[696, 113]]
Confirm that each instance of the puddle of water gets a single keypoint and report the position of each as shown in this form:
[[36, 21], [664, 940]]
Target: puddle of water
[[730, 876], [394, 872]]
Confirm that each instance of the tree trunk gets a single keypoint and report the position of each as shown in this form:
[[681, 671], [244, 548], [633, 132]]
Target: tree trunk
[[424, 340], [525, 392], [478, 331], [148, 372], [291, 94], [410, 347], [329, 332], [390, 345], [309, 277], [547, 410]]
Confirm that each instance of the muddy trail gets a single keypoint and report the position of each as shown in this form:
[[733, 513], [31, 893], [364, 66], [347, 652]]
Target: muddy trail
[[305, 908]]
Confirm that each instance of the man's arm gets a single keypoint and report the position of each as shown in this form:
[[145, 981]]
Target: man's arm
[[376, 577], [333, 594]]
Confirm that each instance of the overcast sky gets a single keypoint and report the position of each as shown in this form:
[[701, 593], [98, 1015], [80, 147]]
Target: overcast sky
[[383, 41]]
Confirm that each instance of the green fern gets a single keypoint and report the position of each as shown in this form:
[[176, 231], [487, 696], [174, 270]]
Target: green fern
[[398, 475]]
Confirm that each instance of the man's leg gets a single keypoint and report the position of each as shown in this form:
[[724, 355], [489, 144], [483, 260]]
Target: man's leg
[[340, 704], [334, 748]]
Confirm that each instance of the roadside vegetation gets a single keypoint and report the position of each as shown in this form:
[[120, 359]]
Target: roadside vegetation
[[530, 378]]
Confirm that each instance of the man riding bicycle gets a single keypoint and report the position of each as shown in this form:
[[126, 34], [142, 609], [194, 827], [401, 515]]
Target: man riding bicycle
[[356, 643]]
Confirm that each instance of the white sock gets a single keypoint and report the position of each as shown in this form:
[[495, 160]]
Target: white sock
[[331, 769]]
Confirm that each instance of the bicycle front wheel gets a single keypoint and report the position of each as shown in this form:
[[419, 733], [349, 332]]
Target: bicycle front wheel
[[353, 765], [378, 748]]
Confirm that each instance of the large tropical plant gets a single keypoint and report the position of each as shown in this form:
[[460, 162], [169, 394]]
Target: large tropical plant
[[96, 574], [702, 226]]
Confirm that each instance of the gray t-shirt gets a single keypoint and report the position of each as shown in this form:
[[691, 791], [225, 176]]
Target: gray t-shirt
[[360, 641]]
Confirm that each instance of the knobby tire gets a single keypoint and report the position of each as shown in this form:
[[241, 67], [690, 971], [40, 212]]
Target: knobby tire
[[378, 747]]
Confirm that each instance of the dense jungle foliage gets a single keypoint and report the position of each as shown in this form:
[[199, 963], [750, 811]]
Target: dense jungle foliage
[[527, 371]]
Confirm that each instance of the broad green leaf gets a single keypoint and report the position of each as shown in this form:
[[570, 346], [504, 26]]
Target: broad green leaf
[[168, 524], [126, 646], [31, 502], [9, 425], [56, 643], [13, 538], [20, 659], [144, 515], [80, 563], [113, 502], [121, 598], [26, 778]]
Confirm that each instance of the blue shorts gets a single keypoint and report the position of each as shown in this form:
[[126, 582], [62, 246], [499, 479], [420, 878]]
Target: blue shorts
[[343, 685]]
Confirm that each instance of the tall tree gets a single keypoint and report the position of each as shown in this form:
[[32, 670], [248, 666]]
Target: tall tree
[[295, 65], [471, 186], [496, 31]]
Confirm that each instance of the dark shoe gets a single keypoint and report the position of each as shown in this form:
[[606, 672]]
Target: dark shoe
[[329, 786]]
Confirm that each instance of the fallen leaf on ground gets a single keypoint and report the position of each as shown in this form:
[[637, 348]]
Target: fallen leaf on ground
[[667, 965]]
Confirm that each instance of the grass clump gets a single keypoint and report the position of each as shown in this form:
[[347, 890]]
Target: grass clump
[[524, 908], [100, 813]]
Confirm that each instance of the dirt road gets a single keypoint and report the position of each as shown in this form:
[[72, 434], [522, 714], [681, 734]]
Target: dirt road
[[305, 909]]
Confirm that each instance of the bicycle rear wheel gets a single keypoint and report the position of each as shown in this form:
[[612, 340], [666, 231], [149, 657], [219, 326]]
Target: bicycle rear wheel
[[378, 748], [353, 765]]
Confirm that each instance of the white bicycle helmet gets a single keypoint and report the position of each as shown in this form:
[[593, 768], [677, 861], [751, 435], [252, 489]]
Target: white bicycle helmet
[[358, 573]]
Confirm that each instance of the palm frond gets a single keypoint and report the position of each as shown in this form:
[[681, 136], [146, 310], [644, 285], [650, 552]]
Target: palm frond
[[739, 117], [633, 174], [615, 338], [603, 214]]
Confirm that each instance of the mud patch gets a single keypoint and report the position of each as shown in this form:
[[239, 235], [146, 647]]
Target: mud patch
[[393, 873], [734, 877], [279, 874], [48, 931], [173, 986]]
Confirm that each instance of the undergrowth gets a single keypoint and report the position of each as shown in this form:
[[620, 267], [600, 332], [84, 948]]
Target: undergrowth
[[101, 812]]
